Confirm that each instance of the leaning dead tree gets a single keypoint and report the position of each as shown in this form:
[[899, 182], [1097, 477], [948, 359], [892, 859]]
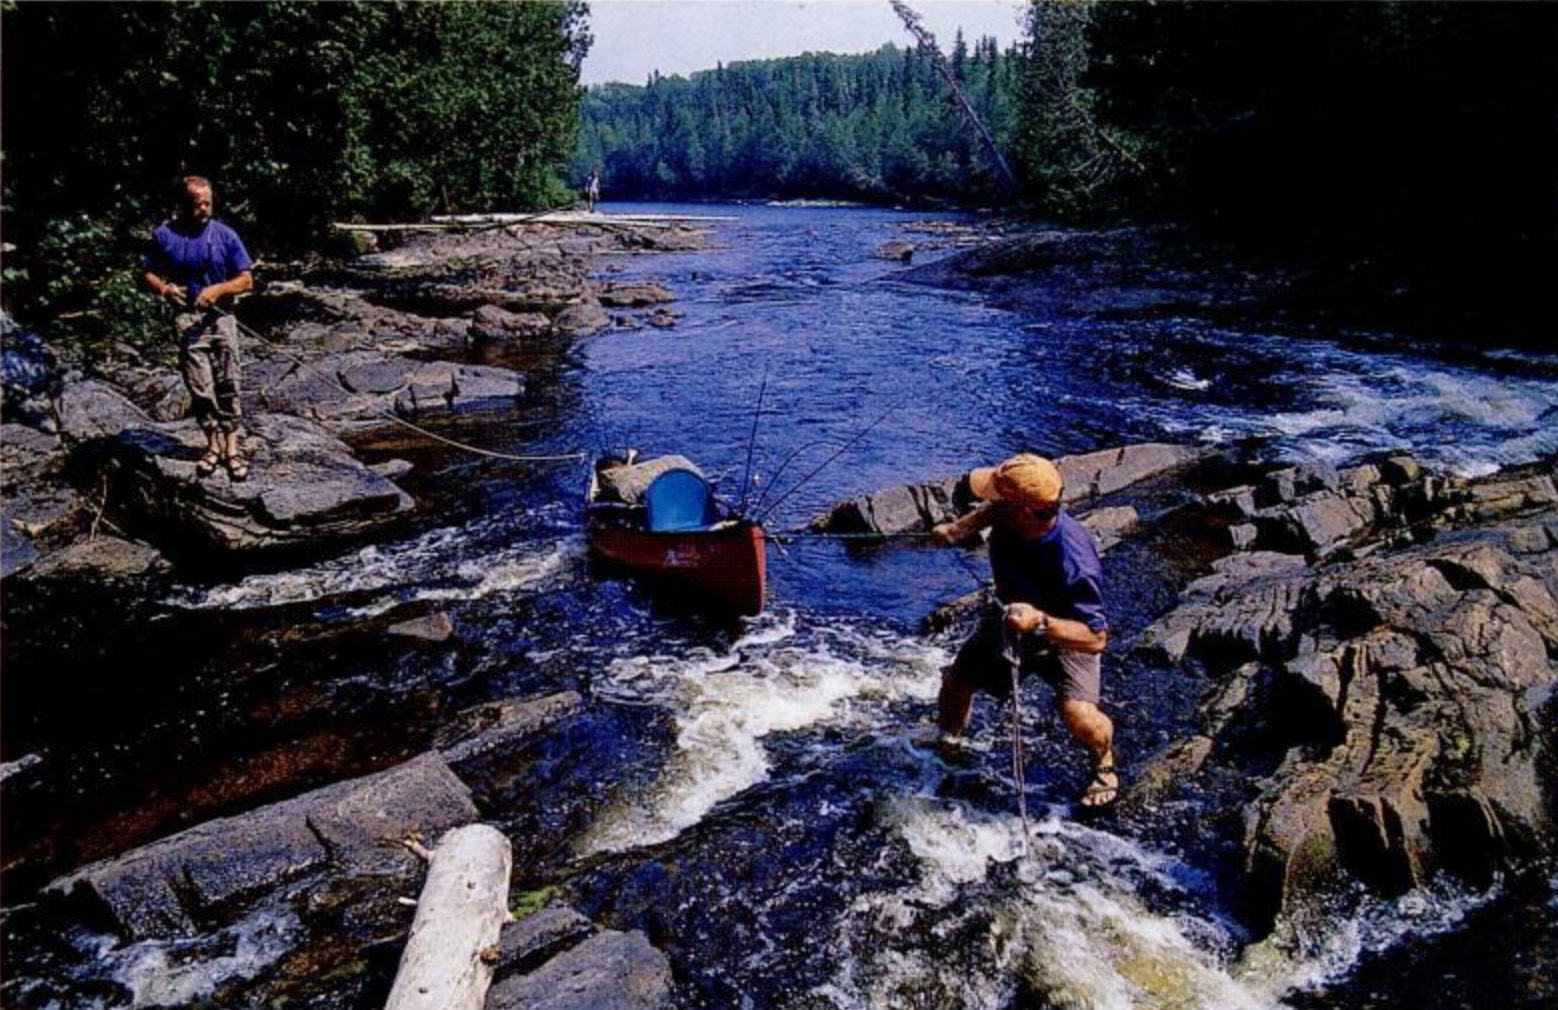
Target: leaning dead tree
[[927, 44]]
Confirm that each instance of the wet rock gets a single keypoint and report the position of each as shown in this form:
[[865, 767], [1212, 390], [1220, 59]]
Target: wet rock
[[897, 250], [538, 937], [502, 726], [20, 773], [662, 320], [582, 318], [103, 559], [497, 324], [609, 971], [432, 628], [305, 489], [185, 882], [91, 409], [635, 296], [392, 469], [1409, 683]]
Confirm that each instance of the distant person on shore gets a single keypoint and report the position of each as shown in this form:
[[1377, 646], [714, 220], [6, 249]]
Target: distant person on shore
[[592, 191], [1049, 586], [200, 265]]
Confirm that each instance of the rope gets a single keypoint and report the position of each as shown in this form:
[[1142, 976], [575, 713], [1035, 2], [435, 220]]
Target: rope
[[1009, 653], [396, 418]]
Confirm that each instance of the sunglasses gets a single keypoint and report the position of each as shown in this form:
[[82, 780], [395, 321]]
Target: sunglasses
[[1038, 515]]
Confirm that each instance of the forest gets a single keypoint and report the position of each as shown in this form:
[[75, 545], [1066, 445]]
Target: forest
[[875, 127], [302, 113]]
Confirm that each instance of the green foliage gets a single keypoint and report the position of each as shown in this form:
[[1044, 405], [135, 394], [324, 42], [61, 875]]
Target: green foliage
[[880, 126], [531, 902], [301, 113]]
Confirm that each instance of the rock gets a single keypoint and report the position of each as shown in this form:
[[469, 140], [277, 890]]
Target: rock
[[104, 559], [918, 507], [22, 770], [897, 249], [1096, 474], [502, 726], [538, 937], [180, 884], [305, 490], [662, 320], [161, 393], [445, 386], [1409, 684], [29, 377], [497, 324], [609, 971], [432, 628], [1110, 525], [392, 469], [1324, 522], [90, 410], [635, 296], [582, 318]]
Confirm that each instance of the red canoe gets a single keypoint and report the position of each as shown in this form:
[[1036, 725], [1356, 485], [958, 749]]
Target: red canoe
[[715, 560]]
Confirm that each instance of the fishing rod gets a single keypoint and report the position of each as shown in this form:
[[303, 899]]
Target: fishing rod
[[746, 475], [824, 464], [784, 464]]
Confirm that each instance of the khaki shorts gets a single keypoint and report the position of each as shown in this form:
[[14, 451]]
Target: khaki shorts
[[1075, 676]]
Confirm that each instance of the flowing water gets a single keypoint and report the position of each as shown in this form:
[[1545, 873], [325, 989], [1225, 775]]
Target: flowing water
[[754, 800]]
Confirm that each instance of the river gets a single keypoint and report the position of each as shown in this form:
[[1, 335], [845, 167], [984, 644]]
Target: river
[[749, 795]]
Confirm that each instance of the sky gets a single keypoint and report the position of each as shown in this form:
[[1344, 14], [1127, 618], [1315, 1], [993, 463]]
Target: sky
[[635, 37]]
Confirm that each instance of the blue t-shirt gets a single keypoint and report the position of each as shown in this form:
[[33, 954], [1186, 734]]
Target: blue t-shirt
[[1059, 573], [212, 255]]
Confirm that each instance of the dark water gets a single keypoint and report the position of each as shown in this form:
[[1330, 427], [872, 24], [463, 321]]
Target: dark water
[[749, 795]]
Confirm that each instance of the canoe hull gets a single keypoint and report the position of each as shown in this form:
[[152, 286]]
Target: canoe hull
[[726, 567]]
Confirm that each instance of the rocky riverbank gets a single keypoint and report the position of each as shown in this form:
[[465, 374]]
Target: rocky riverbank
[[1381, 645], [97, 453]]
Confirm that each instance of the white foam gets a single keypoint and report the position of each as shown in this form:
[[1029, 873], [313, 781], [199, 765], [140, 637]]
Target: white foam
[[726, 704], [176, 972], [429, 567]]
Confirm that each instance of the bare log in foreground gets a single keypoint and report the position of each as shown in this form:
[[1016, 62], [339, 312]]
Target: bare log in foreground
[[464, 903]]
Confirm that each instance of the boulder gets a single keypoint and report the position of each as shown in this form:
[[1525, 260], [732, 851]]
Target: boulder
[[662, 319], [527, 943], [91, 409], [444, 386], [490, 322], [305, 490], [161, 392], [432, 628], [502, 726], [897, 250], [1408, 685], [181, 884], [102, 559], [582, 318], [1095, 474], [635, 296], [609, 971]]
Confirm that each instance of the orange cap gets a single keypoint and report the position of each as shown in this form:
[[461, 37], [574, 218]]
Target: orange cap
[[1025, 479]]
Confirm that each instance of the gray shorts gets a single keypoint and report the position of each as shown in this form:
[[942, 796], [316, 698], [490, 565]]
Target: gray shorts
[[1075, 676]]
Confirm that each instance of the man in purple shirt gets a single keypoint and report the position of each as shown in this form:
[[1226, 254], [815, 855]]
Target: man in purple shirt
[[1049, 581], [199, 264]]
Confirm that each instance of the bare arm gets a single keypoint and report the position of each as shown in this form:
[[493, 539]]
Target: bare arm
[[237, 286], [963, 528], [163, 289], [1063, 632]]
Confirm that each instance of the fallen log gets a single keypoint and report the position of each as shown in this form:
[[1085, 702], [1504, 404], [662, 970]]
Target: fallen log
[[450, 954]]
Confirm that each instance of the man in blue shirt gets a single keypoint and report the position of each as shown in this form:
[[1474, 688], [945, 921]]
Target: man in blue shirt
[[1049, 581], [200, 265]]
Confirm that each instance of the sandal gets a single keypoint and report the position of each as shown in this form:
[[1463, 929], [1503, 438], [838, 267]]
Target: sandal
[[1100, 794], [208, 463], [238, 467]]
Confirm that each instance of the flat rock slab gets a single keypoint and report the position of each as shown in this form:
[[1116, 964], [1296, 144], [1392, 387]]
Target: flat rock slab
[[186, 882], [527, 943], [305, 489], [609, 971], [915, 508], [501, 726], [357, 389], [105, 559]]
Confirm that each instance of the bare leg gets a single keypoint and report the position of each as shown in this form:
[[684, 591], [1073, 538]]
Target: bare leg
[[955, 705], [1095, 732]]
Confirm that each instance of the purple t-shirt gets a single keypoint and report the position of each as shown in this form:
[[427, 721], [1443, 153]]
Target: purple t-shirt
[[212, 255], [1060, 572]]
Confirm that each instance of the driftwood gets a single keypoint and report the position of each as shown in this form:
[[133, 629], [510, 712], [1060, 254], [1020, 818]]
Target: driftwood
[[447, 963]]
